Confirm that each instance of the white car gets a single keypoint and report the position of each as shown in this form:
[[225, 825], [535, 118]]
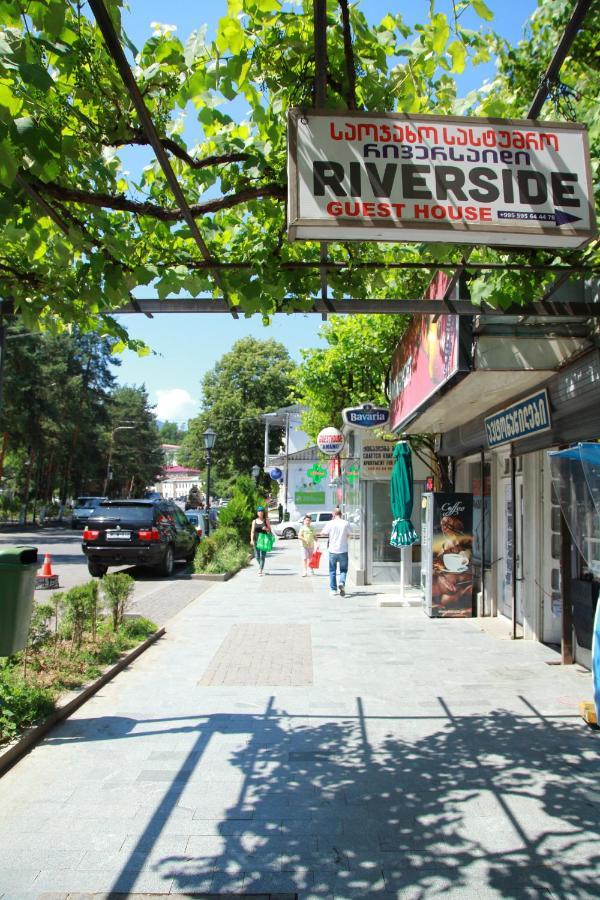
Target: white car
[[83, 509], [291, 529]]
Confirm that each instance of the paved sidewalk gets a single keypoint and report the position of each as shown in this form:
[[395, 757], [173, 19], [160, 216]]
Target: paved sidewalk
[[279, 739]]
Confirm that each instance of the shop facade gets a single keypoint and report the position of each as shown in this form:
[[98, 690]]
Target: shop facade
[[365, 476], [307, 485], [529, 548], [521, 389]]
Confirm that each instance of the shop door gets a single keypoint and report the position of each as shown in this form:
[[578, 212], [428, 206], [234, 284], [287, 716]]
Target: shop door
[[520, 562], [552, 599], [383, 560], [511, 548]]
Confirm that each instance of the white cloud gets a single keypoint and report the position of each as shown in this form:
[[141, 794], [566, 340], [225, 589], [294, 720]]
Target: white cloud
[[175, 405]]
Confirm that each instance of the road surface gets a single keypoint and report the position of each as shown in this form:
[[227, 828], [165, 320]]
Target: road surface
[[156, 597]]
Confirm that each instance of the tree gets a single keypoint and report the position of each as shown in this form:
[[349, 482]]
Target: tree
[[170, 433], [57, 388], [64, 115], [350, 370], [136, 457], [253, 378]]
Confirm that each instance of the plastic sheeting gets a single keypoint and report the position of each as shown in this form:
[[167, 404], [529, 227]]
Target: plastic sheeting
[[576, 481]]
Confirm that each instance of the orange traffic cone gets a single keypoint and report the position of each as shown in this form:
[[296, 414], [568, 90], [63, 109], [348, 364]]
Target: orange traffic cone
[[46, 579]]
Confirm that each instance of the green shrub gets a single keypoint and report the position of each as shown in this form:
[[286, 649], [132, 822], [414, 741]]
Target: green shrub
[[78, 613], [237, 515], [241, 509], [138, 628], [22, 703], [204, 554], [227, 559], [117, 588], [40, 627], [224, 535]]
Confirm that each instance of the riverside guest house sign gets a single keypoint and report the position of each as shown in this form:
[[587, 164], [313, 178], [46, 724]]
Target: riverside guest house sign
[[397, 177]]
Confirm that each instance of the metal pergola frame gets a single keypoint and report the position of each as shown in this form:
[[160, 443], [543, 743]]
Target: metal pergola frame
[[325, 304]]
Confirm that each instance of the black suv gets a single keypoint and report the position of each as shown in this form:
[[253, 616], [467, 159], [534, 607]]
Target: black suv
[[138, 532]]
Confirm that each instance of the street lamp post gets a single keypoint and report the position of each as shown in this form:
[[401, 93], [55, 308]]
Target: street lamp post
[[210, 436], [110, 453]]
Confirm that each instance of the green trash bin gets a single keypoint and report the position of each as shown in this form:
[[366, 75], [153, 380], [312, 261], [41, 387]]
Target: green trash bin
[[18, 568]]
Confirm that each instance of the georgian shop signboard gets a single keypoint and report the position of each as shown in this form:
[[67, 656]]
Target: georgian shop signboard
[[397, 177], [376, 460], [519, 420]]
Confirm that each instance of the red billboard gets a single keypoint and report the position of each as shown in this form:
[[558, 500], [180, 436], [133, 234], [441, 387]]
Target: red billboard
[[426, 358]]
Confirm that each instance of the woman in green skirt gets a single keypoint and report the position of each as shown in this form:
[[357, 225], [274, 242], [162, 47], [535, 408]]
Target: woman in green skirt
[[261, 537]]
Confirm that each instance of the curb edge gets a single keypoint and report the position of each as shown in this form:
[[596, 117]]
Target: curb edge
[[33, 735]]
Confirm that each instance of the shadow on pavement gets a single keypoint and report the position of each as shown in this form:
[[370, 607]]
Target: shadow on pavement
[[482, 803]]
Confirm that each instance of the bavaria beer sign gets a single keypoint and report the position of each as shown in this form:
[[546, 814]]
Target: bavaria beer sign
[[366, 416], [395, 177]]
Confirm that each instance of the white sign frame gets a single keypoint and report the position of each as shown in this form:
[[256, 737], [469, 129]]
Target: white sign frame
[[335, 432], [542, 146], [373, 454], [367, 408]]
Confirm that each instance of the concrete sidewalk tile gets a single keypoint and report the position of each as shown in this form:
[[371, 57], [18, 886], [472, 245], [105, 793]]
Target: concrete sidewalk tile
[[449, 783], [22, 877], [191, 883]]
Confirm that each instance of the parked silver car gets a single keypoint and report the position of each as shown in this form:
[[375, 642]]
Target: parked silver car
[[83, 509], [291, 529]]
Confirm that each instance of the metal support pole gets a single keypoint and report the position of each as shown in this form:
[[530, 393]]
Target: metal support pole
[[566, 575], [564, 45], [514, 544], [208, 464], [320, 28], [482, 477], [566, 641], [266, 444], [107, 478], [287, 453]]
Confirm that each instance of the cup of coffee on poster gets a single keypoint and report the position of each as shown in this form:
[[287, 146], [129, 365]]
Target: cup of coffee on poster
[[455, 562]]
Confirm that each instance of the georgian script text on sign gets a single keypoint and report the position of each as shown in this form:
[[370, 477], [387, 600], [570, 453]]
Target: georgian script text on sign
[[392, 177], [528, 416]]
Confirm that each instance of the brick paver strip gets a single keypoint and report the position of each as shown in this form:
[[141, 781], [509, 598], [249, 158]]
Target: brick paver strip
[[255, 655]]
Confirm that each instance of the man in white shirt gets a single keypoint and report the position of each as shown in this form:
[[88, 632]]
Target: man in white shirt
[[337, 532]]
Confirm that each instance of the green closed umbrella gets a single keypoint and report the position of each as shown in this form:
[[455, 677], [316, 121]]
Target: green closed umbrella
[[401, 497]]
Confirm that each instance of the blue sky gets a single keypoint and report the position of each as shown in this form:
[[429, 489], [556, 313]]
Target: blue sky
[[184, 347]]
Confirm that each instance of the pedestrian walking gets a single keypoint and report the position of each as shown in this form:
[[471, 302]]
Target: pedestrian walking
[[307, 540], [261, 537], [337, 532]]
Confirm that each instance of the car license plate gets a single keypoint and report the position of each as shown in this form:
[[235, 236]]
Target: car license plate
[[118, 535]]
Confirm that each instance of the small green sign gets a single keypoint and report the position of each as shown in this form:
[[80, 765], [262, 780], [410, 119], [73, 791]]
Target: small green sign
[[315, 498], [317, 473]]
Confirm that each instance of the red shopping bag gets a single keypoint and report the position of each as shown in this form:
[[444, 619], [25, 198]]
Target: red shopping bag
[[315, 559]]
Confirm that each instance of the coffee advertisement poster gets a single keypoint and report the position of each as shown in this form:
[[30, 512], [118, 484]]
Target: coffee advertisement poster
[[452, 555]]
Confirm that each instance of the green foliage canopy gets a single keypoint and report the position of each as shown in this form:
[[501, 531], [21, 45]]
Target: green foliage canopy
[[55, 414], [254, 377], [65, 117], [350, 369]]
